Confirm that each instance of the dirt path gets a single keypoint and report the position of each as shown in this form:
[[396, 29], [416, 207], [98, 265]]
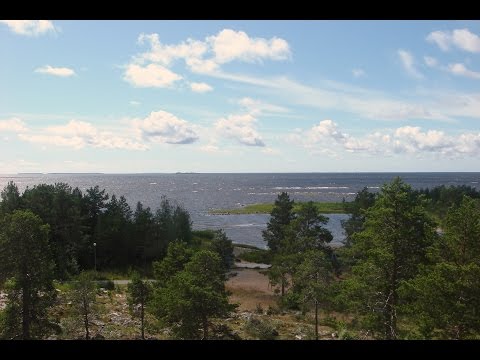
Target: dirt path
[[250, 288]]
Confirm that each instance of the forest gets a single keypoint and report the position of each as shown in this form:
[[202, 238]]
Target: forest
[[409, 268]]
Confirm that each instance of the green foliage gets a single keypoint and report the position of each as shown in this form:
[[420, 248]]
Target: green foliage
[[11, 199], [394, 242], [257, 256], [106, 284], [223, 246], [445, 296], [178, 255], [261, 329], [25, 260], [357, 208], [266, 208], [139, 293], [280, 217], [441, 198], [83, 298], [79, 220], [192, 296]]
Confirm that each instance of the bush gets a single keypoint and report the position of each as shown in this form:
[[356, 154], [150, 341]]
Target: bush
[[291, 301], [256, 256], [260, 329], [106, 284]]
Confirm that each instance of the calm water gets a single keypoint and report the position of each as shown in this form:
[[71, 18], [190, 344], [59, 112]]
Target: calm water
[[199, 193]]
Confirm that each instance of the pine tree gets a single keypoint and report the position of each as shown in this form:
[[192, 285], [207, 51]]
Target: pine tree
[[139, 293], [281, 216], [83, 297], [388, 251], [25, 260]]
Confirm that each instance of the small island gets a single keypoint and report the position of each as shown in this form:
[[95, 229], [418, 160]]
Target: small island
[[266, 208]]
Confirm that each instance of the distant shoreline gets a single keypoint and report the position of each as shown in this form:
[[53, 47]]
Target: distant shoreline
[[266, 208]]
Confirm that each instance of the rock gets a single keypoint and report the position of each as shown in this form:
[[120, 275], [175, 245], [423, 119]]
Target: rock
[[52, 337], [298, 337], [98, 337], [334, 335]]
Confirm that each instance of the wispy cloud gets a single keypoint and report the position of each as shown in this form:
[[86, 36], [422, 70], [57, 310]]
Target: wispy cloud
[[30, 27], [430, 61], [55, 71], [12, 125], [462, 70], [408, 63], [359, 73]]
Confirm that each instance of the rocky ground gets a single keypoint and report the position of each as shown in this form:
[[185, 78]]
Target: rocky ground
[[257, 315]]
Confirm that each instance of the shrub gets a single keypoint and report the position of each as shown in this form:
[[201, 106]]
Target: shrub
[[261, 329], [106, 284]]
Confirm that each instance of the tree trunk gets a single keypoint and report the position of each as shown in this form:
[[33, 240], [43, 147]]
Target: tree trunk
[[283, 286], [85, 319], [205, 328], [142, 315], [316, 319], [25, 311]]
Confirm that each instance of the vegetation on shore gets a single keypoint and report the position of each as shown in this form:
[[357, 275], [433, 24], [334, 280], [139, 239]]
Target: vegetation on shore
[[266, 208], [397, 277]]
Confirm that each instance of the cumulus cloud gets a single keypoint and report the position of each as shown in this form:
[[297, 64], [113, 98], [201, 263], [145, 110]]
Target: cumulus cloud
[[30, 27], [240, 128], [55, 71], [462, 70], [359, 73], [79, 134], [200, 87], [408, 63], [229, 45], [152, 75], [205, 56], [460, 38], [12, 125], [164, 127], [403, 140]]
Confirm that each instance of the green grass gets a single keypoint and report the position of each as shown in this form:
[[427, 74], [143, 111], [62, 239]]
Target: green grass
[[323, 207]]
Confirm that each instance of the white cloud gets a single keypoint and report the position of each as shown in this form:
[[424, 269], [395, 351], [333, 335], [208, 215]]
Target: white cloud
[[79, 134], [152, 75], [430, 104], [460, 38], [204, 57], [257, 107], [408, 63], [12, 125], [209, 148], [163, 127], [240, 128], [229, 45], [410, 140], [30, 27], [359, 73], [270, 151], [135, 103], [200, 87], [460, 69], [430, 61], [56, 71]]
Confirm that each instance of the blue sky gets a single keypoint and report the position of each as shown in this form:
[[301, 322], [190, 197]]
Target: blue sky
[[239, 96]]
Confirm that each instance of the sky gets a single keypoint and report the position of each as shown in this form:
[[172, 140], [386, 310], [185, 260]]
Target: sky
[[239, 96]]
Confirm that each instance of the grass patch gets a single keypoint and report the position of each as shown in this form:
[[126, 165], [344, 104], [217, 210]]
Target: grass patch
[[266, 208], [256, 256]]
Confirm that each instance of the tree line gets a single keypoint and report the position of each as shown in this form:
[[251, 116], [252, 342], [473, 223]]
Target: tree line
[[409, 268], [47, 234]]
